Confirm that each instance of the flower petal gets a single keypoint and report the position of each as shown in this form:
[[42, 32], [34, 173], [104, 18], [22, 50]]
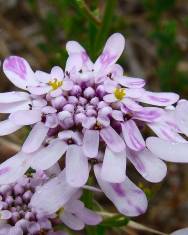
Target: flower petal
[[164, 131], [48, 156], [112, 139], [126, 196], [19, 72], [40, 90], [183, 231], [181, 114], [132, 136], [91, 143], [26, 117], [131, 104], [59, 192], [109, 98], [148, 165], [57, 73], [13, 96], [149, 114], [114, 166], [77, 169], [7, 127], [168, 151], [72, 221], [159, 98], [111, 52], [13, 107], [130, 82], [14, 168], [35, 138]]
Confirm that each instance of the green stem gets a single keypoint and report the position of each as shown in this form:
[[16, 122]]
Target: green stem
[[84, 7]]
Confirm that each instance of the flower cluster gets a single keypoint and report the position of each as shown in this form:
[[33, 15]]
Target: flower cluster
[[93, 115], [19, 215]]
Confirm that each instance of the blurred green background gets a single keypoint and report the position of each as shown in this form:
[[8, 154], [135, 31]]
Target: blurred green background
[[156, 33]]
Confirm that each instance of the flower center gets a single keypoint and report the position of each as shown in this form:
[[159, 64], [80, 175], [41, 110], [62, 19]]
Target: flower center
[[55, 84], [119, 93]]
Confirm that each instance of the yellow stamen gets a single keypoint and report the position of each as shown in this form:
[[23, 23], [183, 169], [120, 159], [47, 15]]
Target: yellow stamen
[[119, 93], [55, 84]]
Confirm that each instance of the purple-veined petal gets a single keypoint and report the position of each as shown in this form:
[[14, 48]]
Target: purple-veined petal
[[14, 168], [166, 132], [167, 150], [111, 52], [127, 197], [59, 192], [72, 221], [131, 104], [26, 117], [181, 114], [35, 138], [159, 98], [13, 96], [130, 82], [114, 166], [48, 156], [148, 165], [112, 139], [76, 168], [19, 72], [89, 217], [149, 114], [7, 127], [132, 136], [91, 143], [13, 107]]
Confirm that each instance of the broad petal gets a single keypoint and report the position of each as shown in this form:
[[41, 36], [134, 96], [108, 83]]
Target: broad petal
[[114, 166], [7, 127], [91, 143], [89, 217], [166, 132], [111, 52], [57, 73], [149, 114], [19, 72], [74, 63], [72, 221], [35, 138], [42, 76], [112, 139], [14, 168], [131, 104], [181, 114], [59, 192], [40, 90], [77, 169], [148, 165], [167, 150], [48, 156], [130, 82], [26, 117], [13, 96], [109, 98], [127, 197], [13, 107], [110, 85], [67, 85], [132, 136], [159, 98], [134, 93]]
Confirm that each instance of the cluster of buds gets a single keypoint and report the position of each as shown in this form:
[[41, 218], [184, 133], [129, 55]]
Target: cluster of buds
[[92, 115]]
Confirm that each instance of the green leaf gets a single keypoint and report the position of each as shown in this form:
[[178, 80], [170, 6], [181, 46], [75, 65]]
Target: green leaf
[[115, 221]]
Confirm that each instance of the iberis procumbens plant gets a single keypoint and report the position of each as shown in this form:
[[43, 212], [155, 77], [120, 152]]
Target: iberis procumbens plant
[[92, 115]]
